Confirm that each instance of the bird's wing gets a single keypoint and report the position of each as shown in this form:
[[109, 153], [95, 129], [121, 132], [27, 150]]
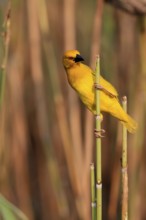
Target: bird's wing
[[107, 87]]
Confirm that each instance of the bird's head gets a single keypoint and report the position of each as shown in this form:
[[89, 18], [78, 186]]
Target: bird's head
[[71, 58]]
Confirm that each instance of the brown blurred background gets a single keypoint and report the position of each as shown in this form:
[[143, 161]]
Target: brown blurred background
[[46, 134]]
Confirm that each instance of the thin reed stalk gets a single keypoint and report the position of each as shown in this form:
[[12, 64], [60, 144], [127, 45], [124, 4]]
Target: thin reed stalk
[[98, 144], [124, 168], [62, 120], [115, 178], [95, 49], [93, 194], [6, 39]]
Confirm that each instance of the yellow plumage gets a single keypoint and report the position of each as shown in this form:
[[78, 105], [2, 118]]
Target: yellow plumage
[[81, 78]]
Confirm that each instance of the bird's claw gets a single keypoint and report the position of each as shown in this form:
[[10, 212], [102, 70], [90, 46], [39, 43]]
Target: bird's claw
[[98, 86], [99, 117], [99, 133]]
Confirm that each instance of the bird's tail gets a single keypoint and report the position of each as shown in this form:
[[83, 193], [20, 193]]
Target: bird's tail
[[124, 118], [130, 124]]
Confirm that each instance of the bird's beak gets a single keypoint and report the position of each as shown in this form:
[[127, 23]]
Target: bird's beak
[[78, 58]]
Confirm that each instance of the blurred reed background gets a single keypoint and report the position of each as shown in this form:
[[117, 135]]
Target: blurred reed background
[[46, 134]]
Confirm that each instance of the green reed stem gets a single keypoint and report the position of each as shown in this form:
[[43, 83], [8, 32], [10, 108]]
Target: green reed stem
[[98, 145], [6, 38], [124, 168], [124, 148], [93, 195]]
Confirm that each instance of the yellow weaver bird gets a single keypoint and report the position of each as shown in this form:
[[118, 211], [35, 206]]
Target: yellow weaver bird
[[82, 78]]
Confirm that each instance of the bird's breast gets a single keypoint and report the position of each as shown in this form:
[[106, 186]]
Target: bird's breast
[[82, 83]]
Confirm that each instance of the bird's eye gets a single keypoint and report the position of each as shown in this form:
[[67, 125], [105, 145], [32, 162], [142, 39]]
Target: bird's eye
[[70, 58]]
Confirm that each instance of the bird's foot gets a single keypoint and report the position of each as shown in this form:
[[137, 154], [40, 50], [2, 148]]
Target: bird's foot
[[99, 133], [99, 117], [98, 86]]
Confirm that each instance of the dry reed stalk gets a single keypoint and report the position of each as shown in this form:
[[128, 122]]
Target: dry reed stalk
[[142, 166], [59, 104], [75, 113], [74, 107], [17, 123], [115, 178], [30, 95], [128, 68], [96, 37], [36, 65], [42, 130], [139, 114]]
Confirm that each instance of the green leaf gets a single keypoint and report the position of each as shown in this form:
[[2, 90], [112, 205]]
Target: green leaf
[[10, 212]]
